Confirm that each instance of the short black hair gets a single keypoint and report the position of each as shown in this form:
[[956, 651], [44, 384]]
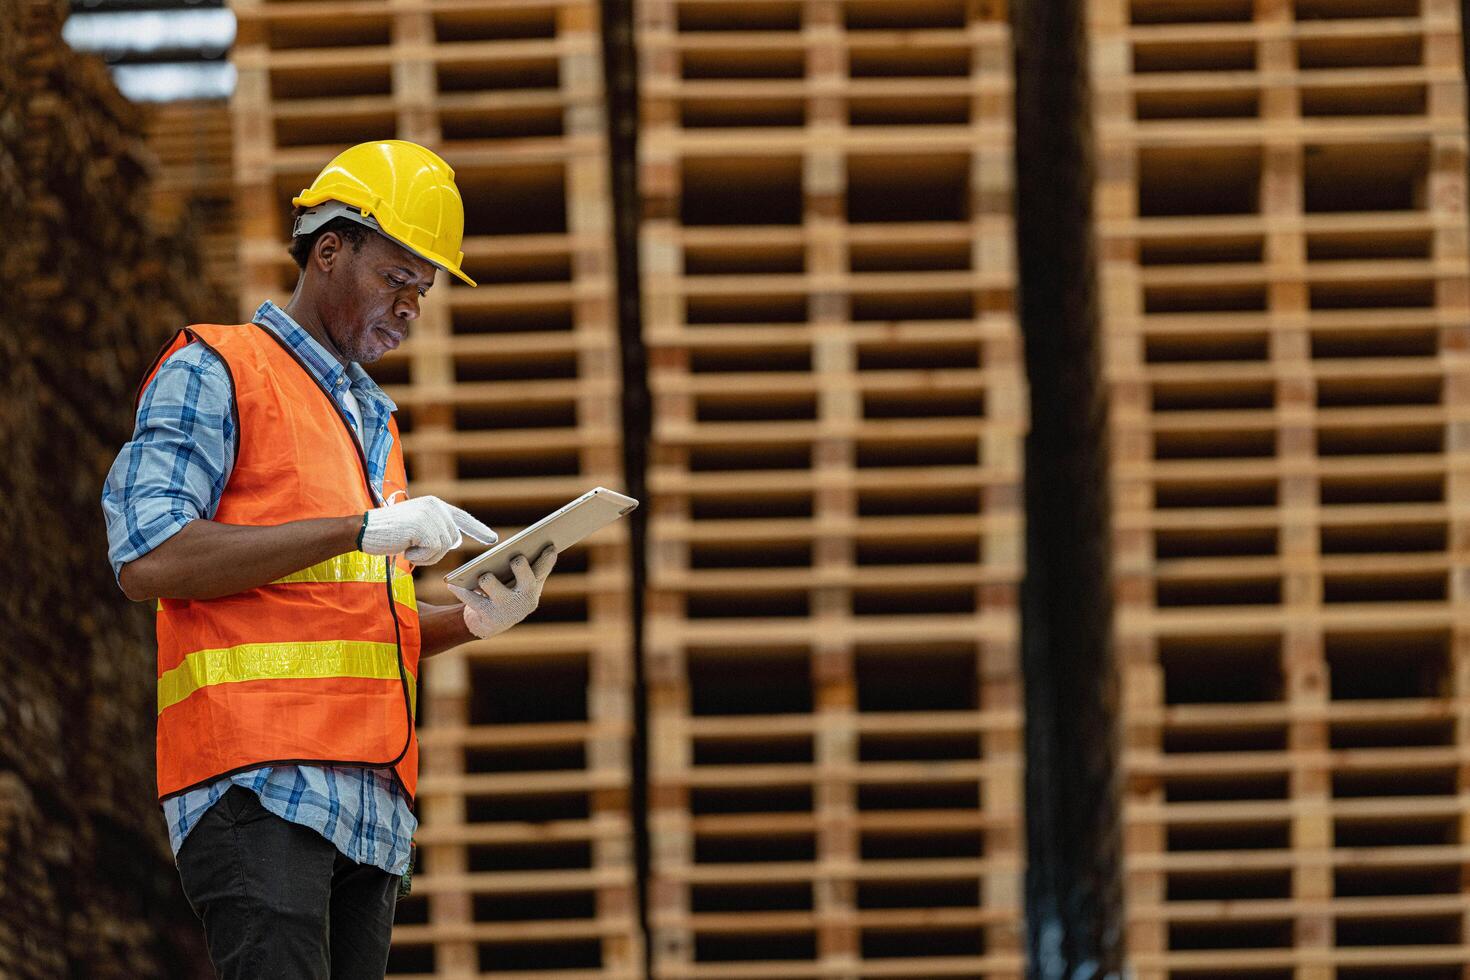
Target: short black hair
[[350, 231]]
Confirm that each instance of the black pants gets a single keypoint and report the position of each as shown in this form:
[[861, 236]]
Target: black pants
[[279, 902]]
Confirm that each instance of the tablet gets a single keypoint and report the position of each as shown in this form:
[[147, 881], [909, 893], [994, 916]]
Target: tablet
[[562, 528]]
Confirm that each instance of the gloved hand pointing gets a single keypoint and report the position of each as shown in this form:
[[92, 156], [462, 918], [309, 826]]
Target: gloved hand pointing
[[423, 530], [501, 607]]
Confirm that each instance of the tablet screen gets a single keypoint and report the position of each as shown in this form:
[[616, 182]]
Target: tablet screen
[[561, 529]]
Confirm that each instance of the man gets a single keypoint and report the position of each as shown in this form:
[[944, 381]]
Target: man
[[261, 502]]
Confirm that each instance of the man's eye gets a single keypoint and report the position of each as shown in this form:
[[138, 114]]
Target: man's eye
[[395, 283]]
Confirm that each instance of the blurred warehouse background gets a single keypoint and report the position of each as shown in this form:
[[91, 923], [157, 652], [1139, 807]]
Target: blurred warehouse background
[[773, 728]]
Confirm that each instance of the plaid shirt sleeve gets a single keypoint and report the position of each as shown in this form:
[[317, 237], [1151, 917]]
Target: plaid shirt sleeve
[[175, 467]]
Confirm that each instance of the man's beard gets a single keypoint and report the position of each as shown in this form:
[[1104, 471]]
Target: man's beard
[[362, 349]]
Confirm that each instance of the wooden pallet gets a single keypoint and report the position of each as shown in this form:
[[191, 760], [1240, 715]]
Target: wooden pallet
[[510, 93], [1282, 227], [834, 479], [509, 404]]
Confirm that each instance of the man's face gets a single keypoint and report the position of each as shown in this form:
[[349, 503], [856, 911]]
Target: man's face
[[373, 294]]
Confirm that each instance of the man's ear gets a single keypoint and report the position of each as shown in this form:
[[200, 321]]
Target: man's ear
[[326, 250]]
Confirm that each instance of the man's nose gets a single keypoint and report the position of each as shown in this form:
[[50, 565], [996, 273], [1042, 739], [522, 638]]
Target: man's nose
[[407, 307]]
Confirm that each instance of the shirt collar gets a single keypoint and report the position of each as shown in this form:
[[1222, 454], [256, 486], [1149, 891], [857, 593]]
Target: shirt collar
[[323, 366]]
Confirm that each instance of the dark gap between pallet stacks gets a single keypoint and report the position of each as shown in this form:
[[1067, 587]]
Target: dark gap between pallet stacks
[[620, 78]]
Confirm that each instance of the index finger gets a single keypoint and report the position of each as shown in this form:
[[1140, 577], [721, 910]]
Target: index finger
[[472, 526]]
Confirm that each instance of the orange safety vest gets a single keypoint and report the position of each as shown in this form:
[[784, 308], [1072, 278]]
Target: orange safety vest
[[319, 667]]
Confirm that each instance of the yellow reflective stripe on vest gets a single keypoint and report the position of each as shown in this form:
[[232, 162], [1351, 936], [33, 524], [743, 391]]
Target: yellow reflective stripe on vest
[[282, 661], [351, 567], [354, 567]]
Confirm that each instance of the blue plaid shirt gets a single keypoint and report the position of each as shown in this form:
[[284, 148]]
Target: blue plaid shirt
[[173, 471]]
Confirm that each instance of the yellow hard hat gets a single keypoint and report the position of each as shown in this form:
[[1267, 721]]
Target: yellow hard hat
[[395, 187]]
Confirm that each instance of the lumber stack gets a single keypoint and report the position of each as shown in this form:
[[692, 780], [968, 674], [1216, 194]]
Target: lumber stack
[[508, 400], [1282, 222], [91, 291], [834, 538]]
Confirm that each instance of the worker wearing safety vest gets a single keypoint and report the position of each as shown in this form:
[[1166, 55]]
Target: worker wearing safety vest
[[262, 503]]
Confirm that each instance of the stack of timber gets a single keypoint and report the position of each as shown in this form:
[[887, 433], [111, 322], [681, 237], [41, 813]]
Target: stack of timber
[[193, 183], [91, 291], [831, 645], [1283, 240], [508, 399]]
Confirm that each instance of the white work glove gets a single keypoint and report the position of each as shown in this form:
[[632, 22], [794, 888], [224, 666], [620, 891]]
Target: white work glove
[[423, 530], [496, 607]]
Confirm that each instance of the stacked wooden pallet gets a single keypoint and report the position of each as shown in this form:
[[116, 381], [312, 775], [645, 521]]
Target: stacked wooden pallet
[[834, 537], [1283, 238], [508, 398], [194, 181]]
